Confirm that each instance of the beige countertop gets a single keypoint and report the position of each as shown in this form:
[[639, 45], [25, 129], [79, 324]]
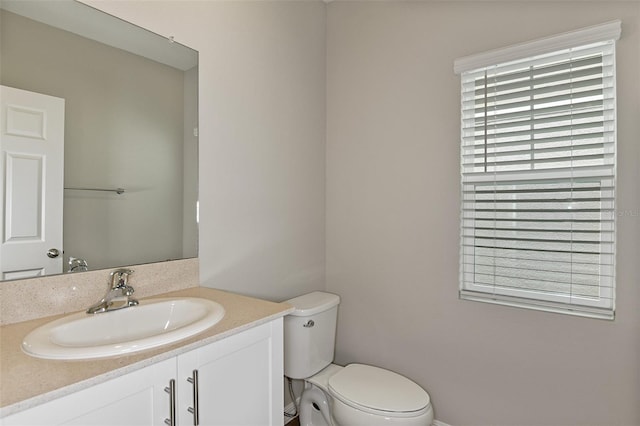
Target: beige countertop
[[26, 381]]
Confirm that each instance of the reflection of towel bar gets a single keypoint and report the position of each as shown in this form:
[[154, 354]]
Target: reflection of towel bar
[[117, 190]]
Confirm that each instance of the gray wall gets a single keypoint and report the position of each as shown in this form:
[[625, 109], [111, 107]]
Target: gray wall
[[122, 129], [393, 210]]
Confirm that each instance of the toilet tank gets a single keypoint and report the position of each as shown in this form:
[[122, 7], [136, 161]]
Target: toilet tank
[[310, 334]]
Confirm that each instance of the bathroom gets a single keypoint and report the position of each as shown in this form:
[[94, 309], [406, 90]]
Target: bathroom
[[288, 205]]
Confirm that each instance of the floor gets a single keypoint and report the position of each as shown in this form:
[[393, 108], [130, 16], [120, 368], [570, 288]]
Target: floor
[[293, 422]]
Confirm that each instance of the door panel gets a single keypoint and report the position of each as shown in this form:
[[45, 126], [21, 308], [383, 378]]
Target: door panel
[[31, 179], [23, 186]]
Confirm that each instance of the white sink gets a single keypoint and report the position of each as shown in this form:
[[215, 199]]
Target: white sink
[[152, 323]]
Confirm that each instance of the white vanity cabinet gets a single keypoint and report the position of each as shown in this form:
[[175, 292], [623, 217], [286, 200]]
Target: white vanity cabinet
[[233, 381]]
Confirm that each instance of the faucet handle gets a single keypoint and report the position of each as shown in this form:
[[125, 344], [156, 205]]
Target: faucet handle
[[119, 278]]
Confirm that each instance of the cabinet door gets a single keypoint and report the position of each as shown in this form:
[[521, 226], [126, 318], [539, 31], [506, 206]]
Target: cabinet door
[[137, 398], [239, 380]]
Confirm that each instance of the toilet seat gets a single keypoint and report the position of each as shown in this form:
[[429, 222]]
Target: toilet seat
[[378, 391]]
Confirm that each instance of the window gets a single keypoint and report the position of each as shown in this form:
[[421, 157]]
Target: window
[[538, 174]]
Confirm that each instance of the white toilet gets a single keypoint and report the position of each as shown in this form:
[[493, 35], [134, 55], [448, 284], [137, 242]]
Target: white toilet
[[355, 395]]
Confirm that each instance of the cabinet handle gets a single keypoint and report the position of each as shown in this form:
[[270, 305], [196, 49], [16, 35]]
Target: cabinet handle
[[195, 410], [171, 390]]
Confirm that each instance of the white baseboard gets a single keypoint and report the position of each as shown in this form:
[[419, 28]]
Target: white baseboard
[[438, 423]]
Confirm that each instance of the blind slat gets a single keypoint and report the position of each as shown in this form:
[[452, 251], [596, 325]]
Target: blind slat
[[535, 103], [498, 98], [533, 77], [532, 70], [574, 106], [534, 120], [541, 131]]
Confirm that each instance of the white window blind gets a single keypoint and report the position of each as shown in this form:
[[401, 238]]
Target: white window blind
[[538, 180]]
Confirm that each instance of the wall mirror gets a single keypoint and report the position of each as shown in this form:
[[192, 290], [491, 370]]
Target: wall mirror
[[122, 187]]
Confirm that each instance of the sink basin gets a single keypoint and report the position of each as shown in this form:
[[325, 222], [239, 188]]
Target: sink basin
[[152, 323]]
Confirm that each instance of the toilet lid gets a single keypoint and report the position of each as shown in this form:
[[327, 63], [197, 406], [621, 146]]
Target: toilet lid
[[373, 388]]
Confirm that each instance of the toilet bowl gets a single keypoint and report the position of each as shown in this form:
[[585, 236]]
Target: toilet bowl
[[354, 395], [347, 396]]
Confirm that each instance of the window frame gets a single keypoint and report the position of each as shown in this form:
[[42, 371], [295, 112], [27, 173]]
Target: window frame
[[524, 297]]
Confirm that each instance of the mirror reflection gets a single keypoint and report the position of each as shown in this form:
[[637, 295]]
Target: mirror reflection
[[99, 141]]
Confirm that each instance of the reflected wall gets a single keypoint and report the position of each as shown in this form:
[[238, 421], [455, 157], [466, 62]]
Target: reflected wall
[[129, 124]]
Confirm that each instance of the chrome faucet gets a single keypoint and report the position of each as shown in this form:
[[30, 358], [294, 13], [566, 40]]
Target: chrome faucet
[[77, 265], [118, 293]]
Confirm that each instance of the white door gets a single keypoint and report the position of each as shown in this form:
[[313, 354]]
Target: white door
[[31, 181]]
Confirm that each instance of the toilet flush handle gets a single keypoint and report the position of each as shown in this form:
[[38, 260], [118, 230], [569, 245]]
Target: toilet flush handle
[[309, 324]]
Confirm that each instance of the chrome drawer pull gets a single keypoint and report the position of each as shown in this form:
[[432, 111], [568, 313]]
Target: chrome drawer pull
[[195, 410], [171, 390]]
